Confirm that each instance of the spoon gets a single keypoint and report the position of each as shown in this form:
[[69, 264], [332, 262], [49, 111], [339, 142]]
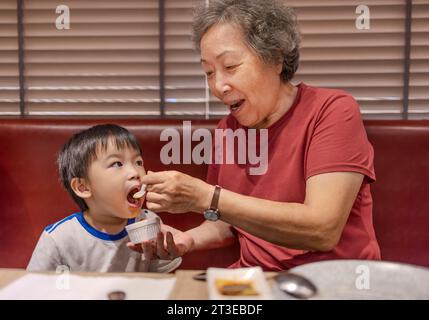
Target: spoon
[[140, 193], [295, 285]]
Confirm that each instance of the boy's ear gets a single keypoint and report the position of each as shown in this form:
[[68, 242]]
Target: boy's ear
[[80, 187]]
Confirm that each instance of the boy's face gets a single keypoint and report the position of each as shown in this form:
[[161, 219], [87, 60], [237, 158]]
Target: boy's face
[[113, 178]]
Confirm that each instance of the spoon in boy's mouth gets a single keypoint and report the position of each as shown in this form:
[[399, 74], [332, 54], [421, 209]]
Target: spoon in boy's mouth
[[140, 193]]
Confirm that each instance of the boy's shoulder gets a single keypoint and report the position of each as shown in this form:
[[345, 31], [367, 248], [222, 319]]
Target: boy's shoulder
[[76, 224], [64, 224]]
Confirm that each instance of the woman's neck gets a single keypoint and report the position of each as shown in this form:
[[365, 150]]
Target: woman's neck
[[285, 100]]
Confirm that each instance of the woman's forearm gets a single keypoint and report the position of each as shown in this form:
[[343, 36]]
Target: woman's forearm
[[286, 224], [315, 225]]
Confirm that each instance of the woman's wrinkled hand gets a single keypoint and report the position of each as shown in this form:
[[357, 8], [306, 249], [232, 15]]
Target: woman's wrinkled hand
[[176, 192]]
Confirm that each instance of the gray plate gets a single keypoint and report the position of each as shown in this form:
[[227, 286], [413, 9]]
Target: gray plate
[[363, 279]]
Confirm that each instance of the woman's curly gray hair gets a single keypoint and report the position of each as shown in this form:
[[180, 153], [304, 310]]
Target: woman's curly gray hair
[[269, 27]]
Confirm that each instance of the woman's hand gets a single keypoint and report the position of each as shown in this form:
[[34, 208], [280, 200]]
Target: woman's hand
[[176, 192], [170, 244]]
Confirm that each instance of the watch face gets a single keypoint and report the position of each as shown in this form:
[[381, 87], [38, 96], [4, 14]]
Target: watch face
[[211, 214]]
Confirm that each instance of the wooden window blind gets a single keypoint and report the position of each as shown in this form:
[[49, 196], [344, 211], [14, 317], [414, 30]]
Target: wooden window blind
[[419, 70], [367, 63], [9, 71], [185, 80], [108, 63], [105, 64]]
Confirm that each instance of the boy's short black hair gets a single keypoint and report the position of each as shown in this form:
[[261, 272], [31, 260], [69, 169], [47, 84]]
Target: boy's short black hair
[[81, 150]]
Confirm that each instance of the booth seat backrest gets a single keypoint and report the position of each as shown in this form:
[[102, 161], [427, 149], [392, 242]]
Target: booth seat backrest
[[31, 196]]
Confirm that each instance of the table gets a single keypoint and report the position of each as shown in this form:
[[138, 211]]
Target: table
[[334, 279], [185, 288]]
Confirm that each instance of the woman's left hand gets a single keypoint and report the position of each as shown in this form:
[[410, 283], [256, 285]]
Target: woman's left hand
[[176, 192], [169, 244]]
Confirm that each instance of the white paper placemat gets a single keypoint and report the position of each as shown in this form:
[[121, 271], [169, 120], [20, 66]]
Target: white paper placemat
[[73, 287]]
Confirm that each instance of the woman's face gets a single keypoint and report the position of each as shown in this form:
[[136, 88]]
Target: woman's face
[[250, 88]]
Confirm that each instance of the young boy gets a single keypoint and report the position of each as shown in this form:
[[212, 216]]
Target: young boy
[[101, 168]]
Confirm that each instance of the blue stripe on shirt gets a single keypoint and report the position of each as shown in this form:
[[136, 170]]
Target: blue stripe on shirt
[[53, 226], [99, 234], [90, 229]]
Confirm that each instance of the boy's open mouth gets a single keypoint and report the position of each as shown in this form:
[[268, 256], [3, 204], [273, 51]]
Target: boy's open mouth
[[135, 203]]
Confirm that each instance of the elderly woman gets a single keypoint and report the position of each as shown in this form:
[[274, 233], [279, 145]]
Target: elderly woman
[[314, 201]]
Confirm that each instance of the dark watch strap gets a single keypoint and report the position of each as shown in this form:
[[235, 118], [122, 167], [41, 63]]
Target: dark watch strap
[[215, 199]]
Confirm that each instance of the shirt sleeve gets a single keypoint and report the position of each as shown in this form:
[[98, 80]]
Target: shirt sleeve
[[45, 256], [339, 141]]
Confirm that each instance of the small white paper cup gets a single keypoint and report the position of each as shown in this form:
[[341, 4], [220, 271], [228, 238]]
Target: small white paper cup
[[144, 230]]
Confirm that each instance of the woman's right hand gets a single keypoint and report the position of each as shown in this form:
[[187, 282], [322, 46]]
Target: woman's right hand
[[176, 192]]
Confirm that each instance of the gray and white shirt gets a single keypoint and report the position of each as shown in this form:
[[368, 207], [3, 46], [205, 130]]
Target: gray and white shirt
[[75, 244]]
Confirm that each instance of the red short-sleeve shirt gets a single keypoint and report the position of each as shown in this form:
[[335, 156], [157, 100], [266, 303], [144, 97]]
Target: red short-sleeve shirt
[[322, 132]]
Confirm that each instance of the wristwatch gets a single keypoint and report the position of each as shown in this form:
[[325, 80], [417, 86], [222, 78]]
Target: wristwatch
[[212, 213]]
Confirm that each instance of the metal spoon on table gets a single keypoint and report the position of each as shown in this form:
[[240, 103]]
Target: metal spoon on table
[[295, 285]]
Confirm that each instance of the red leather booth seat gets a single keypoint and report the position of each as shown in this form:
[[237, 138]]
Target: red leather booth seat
[[31, 196]]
